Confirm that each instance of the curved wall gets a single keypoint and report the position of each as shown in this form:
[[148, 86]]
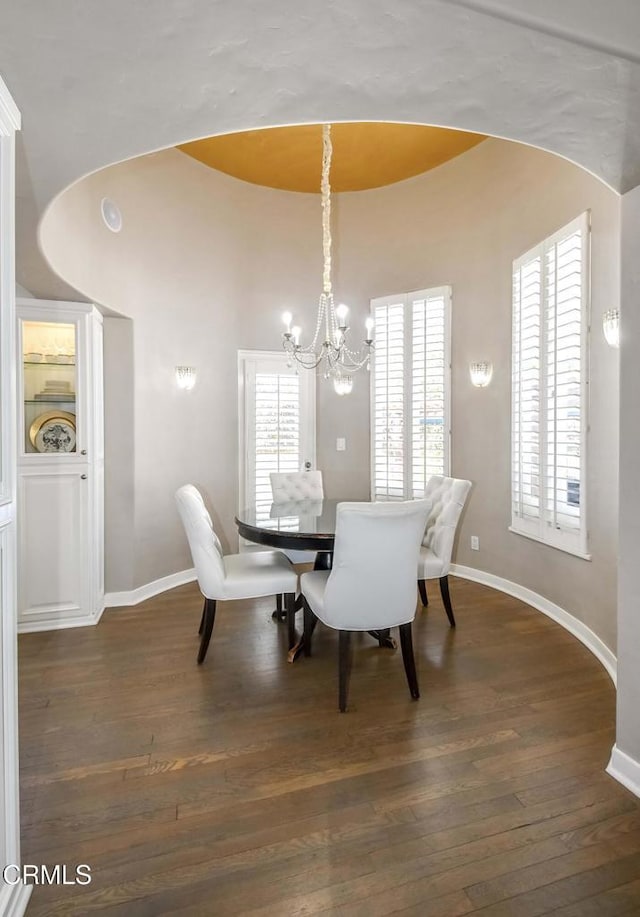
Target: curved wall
[[205, 264]]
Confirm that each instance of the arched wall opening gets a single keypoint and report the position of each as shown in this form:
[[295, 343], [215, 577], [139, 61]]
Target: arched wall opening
[[204, 265]]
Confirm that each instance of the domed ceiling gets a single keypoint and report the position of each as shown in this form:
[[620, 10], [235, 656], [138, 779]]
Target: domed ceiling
[[365, 154]]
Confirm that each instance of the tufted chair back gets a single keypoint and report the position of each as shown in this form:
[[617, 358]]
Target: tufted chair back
[[295, 486], [447, 497], [204, 544], [372, 583]]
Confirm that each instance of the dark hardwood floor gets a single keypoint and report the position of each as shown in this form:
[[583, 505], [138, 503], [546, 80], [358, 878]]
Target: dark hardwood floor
[[238, 788]]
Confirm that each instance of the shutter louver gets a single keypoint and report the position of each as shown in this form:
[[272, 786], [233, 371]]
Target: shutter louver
[[410, 393], [428, 446], [550, 304], [527, 306], [388, 402], [564, 378], [277, 431]]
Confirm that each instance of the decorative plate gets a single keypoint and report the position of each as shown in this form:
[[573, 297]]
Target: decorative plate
[[54, 431]]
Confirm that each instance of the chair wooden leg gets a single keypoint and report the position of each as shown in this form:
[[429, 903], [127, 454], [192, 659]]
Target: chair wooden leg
[[204, 612], [446, 599], [422, 588], [209, 618], [278, 614], [406, 642], [384, 638], [290, 605], [323, 561], [310, 622], [344, 668]]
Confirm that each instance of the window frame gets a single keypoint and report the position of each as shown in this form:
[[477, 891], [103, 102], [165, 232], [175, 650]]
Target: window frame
[[542, 530], [407, 300]]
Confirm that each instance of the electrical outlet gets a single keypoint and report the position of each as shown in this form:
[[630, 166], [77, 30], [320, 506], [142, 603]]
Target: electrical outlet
[[341, 444], [475, 543]]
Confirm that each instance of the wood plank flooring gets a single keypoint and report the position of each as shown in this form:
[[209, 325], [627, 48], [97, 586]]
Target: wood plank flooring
[[238, 788]]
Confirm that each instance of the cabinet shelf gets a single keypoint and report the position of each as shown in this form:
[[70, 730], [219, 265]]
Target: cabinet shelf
[[49, 363], [71, 400]]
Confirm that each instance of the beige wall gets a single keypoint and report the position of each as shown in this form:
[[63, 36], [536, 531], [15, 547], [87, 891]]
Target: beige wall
[[463, 224], [205, 264], [119, 472]]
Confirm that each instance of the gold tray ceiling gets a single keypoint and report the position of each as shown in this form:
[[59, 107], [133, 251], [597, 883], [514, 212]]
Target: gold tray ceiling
[[365, 154]]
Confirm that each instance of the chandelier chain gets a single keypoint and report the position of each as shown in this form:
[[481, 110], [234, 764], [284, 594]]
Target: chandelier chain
[[331, 353], [325, 189]]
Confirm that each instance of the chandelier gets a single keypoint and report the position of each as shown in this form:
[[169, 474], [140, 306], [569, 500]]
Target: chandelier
[[329, 349]]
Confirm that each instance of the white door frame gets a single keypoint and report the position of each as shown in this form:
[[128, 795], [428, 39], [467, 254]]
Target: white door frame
[[308, 418], [13, 898]]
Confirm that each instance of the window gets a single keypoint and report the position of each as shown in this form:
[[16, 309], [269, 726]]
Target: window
[[410, 392], [549, 389], [277, 422]]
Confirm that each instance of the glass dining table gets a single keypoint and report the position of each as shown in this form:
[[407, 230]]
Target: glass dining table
[[301, 525]]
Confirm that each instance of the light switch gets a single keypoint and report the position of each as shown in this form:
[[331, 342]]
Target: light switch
[[341, 444]]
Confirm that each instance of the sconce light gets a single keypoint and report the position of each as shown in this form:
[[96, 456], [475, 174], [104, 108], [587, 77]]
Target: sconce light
[[185, 377], [481, 373], [611, 327]]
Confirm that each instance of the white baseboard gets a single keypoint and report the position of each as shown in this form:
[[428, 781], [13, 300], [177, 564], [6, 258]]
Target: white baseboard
[[119, 599], [623, 768], [576, 627], [112, 600], [36, 627], [14, 899]]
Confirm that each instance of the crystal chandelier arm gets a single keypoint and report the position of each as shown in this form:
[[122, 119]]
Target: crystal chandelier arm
[[322, 309], [306, 359], [350, 360]]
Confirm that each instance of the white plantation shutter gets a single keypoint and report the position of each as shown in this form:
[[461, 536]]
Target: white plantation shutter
[[388, 401], [550, 324], [429, 437], [527, 305], [277, 430], [410, 392], [277, 423]]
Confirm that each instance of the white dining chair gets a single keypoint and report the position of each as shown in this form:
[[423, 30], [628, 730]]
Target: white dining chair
[[372, 584], [447, 497], [230, 576], [288, 489], [291, 487], [295, 486]]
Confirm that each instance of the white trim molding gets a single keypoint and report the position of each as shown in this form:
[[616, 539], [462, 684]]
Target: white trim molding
[[135, 596], [625, 769], [115, 600], [576, 627], [9, 114], [40, 626], [14, 899], [251, 362]]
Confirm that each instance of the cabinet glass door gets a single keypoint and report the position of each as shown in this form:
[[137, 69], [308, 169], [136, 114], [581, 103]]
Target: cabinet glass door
[[49, 387]]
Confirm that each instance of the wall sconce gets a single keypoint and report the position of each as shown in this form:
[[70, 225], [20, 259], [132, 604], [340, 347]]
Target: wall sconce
[[611, 327], [185, 377], [481, 373]]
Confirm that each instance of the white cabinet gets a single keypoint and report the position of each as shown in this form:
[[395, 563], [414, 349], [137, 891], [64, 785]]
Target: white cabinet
[[60, 465]]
